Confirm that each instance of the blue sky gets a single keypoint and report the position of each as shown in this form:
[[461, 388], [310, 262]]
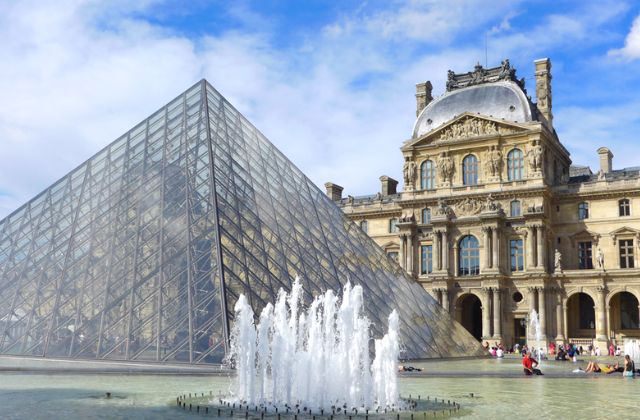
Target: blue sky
[[331, 83]]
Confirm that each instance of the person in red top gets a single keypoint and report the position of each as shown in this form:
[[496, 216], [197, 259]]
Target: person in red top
[[529, 362]]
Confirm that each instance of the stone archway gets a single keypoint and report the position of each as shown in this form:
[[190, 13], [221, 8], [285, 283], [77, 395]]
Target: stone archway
[[581, 316], [624, 315], [469, 314]]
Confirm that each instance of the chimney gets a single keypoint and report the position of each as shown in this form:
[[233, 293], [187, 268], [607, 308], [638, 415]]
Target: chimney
[[606, 159], [543, 88], [388, 185], [423, 96], [334, 191]]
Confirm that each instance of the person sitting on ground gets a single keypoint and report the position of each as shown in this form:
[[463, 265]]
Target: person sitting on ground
[[562, 355], [529, 364], [629, 366]]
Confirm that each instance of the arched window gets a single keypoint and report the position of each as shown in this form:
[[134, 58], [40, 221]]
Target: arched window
[[364, 225], [393, 225], [470, 170], [583, 211], [469, 256], [624, 207], [514, 208], [427, 175], [515, 165]]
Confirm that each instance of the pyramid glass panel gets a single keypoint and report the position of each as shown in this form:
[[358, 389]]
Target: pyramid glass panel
[[142, 251]]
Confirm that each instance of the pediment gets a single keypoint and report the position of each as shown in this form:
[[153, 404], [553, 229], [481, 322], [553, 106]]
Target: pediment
[[467, 126], [624, 231], [584, 234]]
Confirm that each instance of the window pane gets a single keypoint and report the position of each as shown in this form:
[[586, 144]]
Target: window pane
[[426, 259], [585, 260], [470, 170], [469, 256], [517, 254]]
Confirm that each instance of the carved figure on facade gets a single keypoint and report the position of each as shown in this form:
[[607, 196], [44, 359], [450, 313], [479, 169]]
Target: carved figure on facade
[[600, 259], [445, 167], [407, 217], [468, 206], [543, 92], [492, 205], [494, 162], [535, 156], [442, 209], [472, 127], [557, 261], [409, 172]]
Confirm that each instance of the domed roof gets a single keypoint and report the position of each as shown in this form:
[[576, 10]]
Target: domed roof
[[502, 100]]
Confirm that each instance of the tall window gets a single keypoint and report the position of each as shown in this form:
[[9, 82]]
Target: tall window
[[470, 170], [393, 225], [583, 211], [517, 254], [585, 256], [427, 175], [426, 216], [624, 207], [514, 208], [469, 256], [426, 265], [515, 165], [364, 225], [626, 253]]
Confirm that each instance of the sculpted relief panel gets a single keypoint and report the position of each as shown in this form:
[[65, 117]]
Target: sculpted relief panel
[[473, 127]]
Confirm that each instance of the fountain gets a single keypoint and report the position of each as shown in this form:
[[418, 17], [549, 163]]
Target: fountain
[[536, 349], [632, 348], [318, 360]]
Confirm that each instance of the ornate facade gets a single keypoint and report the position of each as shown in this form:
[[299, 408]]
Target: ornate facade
[[494, 220]]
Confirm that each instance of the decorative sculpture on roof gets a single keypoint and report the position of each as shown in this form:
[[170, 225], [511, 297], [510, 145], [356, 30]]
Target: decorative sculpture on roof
[[445, 167], [481, 75], [494, 162], [409, 172]]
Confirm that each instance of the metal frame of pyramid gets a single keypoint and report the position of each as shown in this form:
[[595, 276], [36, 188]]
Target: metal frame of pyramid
[[141, 252]]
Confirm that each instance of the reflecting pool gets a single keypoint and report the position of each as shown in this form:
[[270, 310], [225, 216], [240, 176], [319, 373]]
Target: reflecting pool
[[507, 394]]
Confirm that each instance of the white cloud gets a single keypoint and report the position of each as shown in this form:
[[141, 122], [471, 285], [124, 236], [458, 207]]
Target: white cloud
[[631, 49]]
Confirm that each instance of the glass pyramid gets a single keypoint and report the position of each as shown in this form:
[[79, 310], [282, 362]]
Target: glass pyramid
[[141, 252]]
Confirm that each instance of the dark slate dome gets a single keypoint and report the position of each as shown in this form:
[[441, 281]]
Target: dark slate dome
[[502, 100]]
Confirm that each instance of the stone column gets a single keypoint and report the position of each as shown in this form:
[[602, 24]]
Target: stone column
[[445, 251], [497, 315], [486, 314], [532, 298], [530, 246], [402, 259], [541, 248], [486, 237], [409, 251], [495, 248], [559, 317], [436, 251], [542, 313], [445, 299], [565, 321], [600, 315]]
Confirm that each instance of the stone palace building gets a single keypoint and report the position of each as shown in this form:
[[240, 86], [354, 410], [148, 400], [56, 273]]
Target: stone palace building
[[494, 220]]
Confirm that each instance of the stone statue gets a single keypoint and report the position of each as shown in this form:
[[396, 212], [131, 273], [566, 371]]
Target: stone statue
[[491, 204], [557, 262], [543, 94], [451, 80], [600, 259], [535, 157], [442, 209], [409, 172], [445, 167], [494, 161]]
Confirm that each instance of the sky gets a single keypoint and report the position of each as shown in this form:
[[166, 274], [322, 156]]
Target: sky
[[330, 83]]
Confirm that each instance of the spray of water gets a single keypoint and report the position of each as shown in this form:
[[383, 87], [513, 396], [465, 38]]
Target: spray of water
[[537, 334], [318, 359]]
